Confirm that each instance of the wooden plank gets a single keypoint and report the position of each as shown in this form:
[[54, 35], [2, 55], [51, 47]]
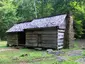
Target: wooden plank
[[13, 42], [61, 31], [27, 37], [31, 41], [31, 35], [49, 42], [60, 34], [42, 32], [48, 35], [49, 45], [49, 39], [60, 41], [31, 45], [13, 39], [60, 47], [60, 38], [31, 38]]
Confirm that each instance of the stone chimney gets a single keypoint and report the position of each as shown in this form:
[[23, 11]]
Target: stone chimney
[[69, 32]]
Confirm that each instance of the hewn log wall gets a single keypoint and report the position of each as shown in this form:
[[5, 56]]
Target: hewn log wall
[[49, 39], [12, 39], [45, 38], [31, 39]]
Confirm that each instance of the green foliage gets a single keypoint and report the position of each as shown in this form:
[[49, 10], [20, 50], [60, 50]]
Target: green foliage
[[78, 11], [13, 11], [83, 53], [76, 45], [78, 28], [7, 15], [3, 44]]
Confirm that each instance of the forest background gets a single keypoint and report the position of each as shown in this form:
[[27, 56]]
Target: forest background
[[16, 11]]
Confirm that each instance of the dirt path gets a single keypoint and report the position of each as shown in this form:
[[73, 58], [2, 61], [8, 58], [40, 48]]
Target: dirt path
[[7, 49], [23, 62]]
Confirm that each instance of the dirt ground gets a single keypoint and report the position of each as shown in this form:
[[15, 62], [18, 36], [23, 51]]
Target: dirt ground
[[8, 49]]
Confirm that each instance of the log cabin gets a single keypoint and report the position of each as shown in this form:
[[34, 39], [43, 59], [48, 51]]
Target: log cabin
[[52, 32]]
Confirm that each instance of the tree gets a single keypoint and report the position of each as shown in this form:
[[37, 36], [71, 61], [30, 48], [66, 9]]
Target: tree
[[13, 11], [7, 15]]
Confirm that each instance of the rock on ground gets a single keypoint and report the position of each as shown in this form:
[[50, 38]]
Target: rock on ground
[[81, 60], [75, 53], [49, 50], [15, 58], [57, 53], [61, 58]]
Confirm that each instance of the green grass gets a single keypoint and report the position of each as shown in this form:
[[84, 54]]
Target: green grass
[[6, 57], [33, 56], [3, 44], [69, 62]]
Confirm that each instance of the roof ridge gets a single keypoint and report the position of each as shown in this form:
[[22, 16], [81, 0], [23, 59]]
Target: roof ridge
[[49, 16]]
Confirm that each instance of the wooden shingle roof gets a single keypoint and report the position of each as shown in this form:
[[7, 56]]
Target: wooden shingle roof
[[40, 23]]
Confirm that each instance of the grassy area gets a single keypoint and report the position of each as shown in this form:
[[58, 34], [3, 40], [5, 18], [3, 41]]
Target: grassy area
[[14, 56], [33, 56], [3, 44]]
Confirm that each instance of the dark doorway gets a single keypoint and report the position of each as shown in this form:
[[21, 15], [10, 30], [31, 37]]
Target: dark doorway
[[21, 38], [39, 40]]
